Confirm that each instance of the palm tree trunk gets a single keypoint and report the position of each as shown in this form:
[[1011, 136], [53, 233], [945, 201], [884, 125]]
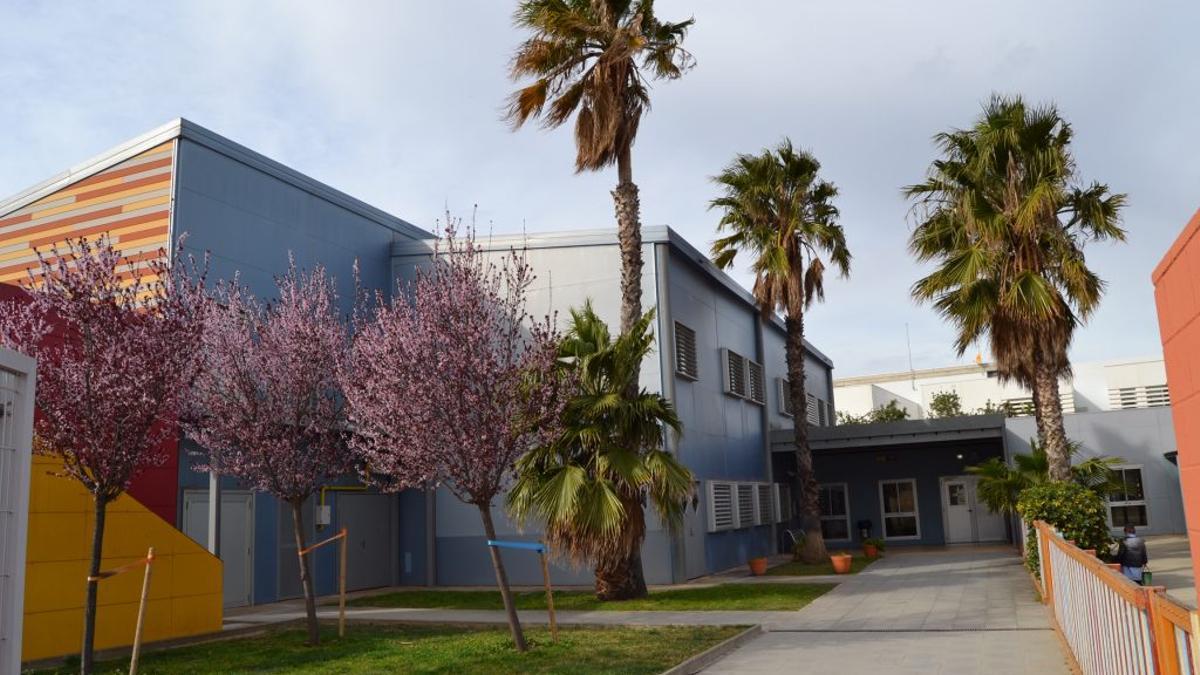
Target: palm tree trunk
[[620, 576], [1050, 422], [806, 480], [87, 657], [629, 239], [306, 581], [514, 622]]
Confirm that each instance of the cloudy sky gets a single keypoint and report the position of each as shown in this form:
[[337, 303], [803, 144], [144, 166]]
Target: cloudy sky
[[398, 103]]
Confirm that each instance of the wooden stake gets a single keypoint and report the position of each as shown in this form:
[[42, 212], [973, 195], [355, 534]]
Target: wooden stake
[[342, 589], [141, 617], [549, 597]]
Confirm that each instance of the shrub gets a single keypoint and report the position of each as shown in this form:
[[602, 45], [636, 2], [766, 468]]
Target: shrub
[[1075, 511]]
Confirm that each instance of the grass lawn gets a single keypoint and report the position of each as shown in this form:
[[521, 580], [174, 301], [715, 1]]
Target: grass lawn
[[436, 649], [725, 596], [805, 569]]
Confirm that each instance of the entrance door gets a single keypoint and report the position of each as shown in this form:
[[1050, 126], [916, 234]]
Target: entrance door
[[694, 530], [237, 538], [957, 510], [370, 550]]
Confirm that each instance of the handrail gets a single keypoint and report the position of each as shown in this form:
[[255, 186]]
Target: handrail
[[1111, 624]]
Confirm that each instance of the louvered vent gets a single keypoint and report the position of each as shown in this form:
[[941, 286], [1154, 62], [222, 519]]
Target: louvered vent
[[746, 501], [735, 373], [685, 352], [811, 412], [721, 514], [757, 388], [765, 499], [785, 398]]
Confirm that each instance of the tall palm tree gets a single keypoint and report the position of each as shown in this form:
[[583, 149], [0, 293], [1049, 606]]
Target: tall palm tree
[[591, 59], [1002, 216], [587, 486], [777, 209]]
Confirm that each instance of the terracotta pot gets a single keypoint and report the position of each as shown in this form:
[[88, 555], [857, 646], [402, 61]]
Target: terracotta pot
[[841, 563], [871, 551], [758, 566]]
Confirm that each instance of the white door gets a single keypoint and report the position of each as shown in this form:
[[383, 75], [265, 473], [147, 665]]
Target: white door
[[957, 509], [989, 525], [237, 539]]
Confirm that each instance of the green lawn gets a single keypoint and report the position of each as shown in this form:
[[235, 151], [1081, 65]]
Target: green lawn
[[805, 569], [436, 649], [725, 596]]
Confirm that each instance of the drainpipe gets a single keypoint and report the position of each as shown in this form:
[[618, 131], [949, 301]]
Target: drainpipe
[[431, 537], [765, 413], [666, 367], [214, 513]]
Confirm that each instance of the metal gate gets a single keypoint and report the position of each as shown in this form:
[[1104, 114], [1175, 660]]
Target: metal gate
[[17, 380]]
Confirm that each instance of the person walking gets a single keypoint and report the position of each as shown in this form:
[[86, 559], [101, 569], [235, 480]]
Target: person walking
[[1131, 554]]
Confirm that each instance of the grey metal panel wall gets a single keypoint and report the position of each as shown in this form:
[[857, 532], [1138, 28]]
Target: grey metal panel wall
[[816, 376], [249, 221], [1138, 436]]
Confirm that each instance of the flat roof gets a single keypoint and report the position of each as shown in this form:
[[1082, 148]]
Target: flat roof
[[182, 128], [906, 432], [658, 234]]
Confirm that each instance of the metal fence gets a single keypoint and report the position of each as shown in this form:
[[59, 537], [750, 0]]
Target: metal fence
[[16, 434], [1112, 625]]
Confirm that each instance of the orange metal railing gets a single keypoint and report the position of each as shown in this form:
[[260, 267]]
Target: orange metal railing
[[1112, 625]]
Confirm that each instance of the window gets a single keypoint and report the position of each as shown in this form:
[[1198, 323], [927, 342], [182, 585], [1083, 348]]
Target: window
[[746, 500], [735, 373], [834, 500], [766, 498], [785, 398], [757, 392], [722, 513], [810, 411], [900, 513], [1127, 503], [783, 502], [685, 352]]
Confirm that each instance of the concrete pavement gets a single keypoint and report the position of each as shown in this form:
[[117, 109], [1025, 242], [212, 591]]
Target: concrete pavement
[[967, 610], [1171, 563]]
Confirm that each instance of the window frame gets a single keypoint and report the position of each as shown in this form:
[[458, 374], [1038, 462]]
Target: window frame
[[915, 513], [693, 352], [1143, 502], [845, 501], [785, 398]]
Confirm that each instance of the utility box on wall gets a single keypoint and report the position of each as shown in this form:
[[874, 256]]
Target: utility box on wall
[[17, 382]]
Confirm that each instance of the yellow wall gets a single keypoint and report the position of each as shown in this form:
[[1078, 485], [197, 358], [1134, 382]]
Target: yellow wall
[[185, 589]]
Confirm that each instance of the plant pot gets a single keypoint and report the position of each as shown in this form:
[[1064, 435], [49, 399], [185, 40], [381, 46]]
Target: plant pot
[[871, 551], [758, 566], [841, 563]]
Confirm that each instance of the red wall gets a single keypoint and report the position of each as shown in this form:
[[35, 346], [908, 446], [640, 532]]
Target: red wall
[[1177, 295], [155, 487]]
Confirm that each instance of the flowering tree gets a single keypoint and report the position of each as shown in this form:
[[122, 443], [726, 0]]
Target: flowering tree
[[268, 407], [112, 338], [454, 382]]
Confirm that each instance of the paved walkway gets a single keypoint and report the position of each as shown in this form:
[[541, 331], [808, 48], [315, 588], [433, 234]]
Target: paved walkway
[[956, 611], [1171, 563]]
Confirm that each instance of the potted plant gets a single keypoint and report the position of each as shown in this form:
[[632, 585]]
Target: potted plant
[[872, 547], [758, 566], [841, 562]]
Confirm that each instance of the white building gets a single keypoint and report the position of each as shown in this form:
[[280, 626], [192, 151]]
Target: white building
[[1097, 385]]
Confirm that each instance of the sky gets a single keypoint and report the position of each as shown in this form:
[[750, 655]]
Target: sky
[[399, 104]]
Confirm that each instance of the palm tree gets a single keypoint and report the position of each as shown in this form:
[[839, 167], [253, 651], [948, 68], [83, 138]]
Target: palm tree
[[592, 59], [777, 209], [1000, 485], [588, 485], [1002, 216]]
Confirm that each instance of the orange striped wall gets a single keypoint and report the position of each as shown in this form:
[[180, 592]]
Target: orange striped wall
[[129, 201]]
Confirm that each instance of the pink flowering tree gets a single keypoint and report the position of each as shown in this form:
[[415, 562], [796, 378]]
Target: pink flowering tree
[[113, 342], [268, 408], [453, 381]]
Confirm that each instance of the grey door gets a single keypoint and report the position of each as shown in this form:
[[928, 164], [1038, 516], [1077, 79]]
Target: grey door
[[370, 539], [237, 539], [695, 563]]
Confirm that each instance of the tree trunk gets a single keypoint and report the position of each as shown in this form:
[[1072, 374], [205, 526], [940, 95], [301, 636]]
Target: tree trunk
[[1050, 423], [514, 622], [310, 598], [87, 658], [620, 577], [806, 480]]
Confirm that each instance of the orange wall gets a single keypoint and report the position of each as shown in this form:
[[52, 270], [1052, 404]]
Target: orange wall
[[1177, 295], [185, 588]]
